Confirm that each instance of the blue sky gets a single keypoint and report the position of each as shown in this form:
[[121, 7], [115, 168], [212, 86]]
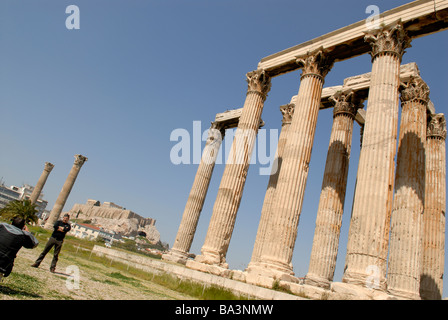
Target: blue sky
[[115, 90]]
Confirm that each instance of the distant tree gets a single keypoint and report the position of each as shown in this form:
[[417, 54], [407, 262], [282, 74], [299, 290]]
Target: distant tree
[[22, 208]]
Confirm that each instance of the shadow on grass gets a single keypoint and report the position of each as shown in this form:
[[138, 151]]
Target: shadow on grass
[[21, 286], [14, 292]]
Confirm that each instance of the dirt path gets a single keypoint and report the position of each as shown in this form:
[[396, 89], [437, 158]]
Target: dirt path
[[96, 281]]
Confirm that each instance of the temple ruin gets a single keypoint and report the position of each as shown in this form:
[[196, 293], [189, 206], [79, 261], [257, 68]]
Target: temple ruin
[[405, 199]]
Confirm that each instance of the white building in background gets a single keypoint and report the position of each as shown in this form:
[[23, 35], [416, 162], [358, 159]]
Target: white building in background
[[8, 194], [91, 232], [13, 193]]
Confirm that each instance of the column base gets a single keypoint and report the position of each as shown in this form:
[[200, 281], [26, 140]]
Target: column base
[[316, 281], [275, 265], [403, 294], [176, 256], [212, 258], [208, 268], [266, 275], [364, 281], [345, 291]]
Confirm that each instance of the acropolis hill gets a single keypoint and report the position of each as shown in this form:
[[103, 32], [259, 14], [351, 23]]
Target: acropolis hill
[[115, 218]]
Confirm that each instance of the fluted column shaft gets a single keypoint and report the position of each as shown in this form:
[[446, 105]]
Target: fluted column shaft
[[266, 213], [403, 275], [433, 244], [370, 223], [331, 204], [278, 250], [41, 182], [65, 192], [187, 229], [219, 232]]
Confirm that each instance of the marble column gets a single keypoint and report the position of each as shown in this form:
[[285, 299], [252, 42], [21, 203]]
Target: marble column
[[41, 182], [331, 204], [367, 246], [65, 192], [279, 246], [230, 191], [433, 244], [403, 274], [187, 229], [263, 227]]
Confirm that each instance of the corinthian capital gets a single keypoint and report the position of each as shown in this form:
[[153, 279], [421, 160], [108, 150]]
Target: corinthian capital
[[316, 63], [258, 81], [436, 126], [393, 40], [414, 89], [48, 166], [79, 160], [287, 111], [345, 103]]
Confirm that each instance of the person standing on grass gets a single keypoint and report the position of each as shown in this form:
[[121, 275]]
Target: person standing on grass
[[13, 237], [56, 240]]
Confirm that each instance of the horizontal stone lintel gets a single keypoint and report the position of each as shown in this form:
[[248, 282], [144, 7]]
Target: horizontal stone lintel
[[230, 118], [419, 18], [360, 85]]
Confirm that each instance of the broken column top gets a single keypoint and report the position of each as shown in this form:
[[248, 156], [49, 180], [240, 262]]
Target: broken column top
[[230, 118]]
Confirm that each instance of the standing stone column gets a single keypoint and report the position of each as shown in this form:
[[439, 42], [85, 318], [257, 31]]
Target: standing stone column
[[279, 246], [331, 204], [367, 246], [187, 229], [403, 274], [266, 213], [65, 192], [230, 191], [433, 244], [41, 182]]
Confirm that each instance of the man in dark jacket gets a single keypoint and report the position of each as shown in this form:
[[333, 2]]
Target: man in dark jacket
[[13, 237], [56, 240]]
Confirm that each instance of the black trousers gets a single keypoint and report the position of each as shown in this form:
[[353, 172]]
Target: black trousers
[[57, 248]]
